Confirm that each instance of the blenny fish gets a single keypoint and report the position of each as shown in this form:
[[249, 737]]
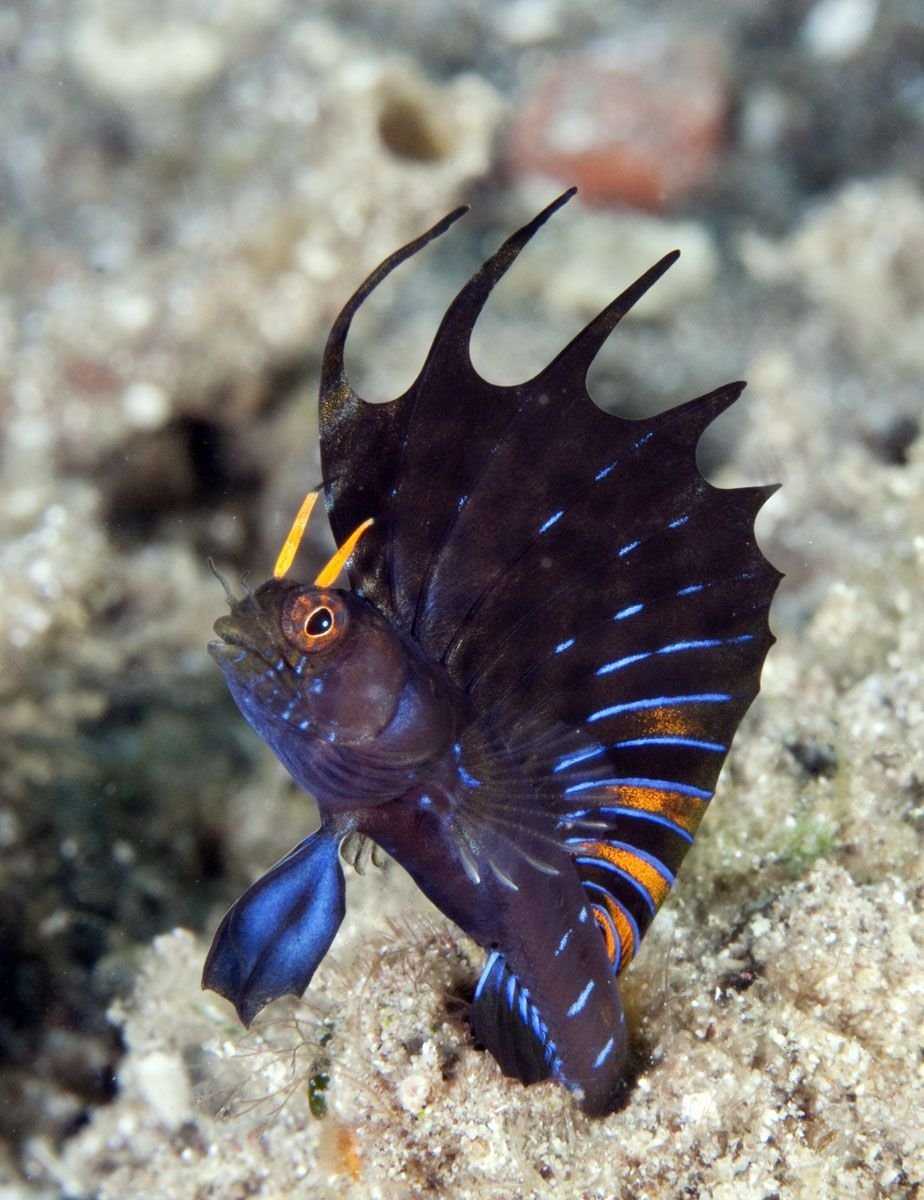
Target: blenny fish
[[552, 629]]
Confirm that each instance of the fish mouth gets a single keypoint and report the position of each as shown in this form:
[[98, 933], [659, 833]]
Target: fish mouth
[[226, 652], [235, 643]]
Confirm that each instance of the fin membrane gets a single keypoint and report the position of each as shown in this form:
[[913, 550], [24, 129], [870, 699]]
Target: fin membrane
[[506, 1022], [272, 939]]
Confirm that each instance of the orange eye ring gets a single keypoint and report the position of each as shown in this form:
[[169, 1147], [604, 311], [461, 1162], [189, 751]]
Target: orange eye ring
[[314, 622]]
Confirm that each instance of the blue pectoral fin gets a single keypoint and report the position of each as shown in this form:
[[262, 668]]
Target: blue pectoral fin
[[272, 939], [506, 1022]]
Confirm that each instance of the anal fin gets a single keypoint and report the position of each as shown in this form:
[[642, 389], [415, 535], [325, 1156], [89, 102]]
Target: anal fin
[[508, 1023]]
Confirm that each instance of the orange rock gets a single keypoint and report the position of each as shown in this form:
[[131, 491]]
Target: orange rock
[[338, 1150], [637, 123]]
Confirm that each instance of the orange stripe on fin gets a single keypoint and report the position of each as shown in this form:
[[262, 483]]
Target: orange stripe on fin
[[632, 864], [677, 722], [685, 811], [624, 930]]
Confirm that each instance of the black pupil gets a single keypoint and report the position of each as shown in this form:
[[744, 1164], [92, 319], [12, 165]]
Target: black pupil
[[319, 622]]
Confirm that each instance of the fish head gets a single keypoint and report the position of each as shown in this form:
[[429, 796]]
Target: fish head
[[317, 669]]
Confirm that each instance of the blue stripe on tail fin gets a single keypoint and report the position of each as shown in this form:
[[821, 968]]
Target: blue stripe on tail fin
[[506, 1022]]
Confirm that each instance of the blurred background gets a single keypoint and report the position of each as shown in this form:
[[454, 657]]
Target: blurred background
[[189, 192]]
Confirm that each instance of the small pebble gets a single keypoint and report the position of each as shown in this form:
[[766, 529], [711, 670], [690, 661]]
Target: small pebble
[[164, 1085], [838, 29], [146, 405]]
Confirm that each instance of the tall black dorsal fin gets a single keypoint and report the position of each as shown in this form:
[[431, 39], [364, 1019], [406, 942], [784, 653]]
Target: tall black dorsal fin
[[493, 504]]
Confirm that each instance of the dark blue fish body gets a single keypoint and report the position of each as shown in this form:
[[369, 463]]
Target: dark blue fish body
[[554, 627]]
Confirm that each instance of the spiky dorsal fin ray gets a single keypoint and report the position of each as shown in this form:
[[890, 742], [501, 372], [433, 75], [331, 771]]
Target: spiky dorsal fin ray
[[452, 344], [334, 379], [569, 368]]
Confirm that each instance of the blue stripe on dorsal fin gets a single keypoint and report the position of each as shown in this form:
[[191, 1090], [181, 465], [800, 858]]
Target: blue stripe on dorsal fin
[[506, 1022]]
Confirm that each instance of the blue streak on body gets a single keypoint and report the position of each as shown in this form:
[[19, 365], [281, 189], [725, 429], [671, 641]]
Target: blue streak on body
[[623, 550], [467, 778], [488, 968], [563, 646], [604, 1054], [582, 999], [706, 643], [660, 702], [628, 612], [673, 648], [675, 524], [565, 938], [608, 668], [602, 474], [552, 520], [691, 589]]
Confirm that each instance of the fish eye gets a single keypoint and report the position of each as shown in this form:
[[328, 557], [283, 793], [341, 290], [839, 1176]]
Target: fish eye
[[319, 622], [313, 622]]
